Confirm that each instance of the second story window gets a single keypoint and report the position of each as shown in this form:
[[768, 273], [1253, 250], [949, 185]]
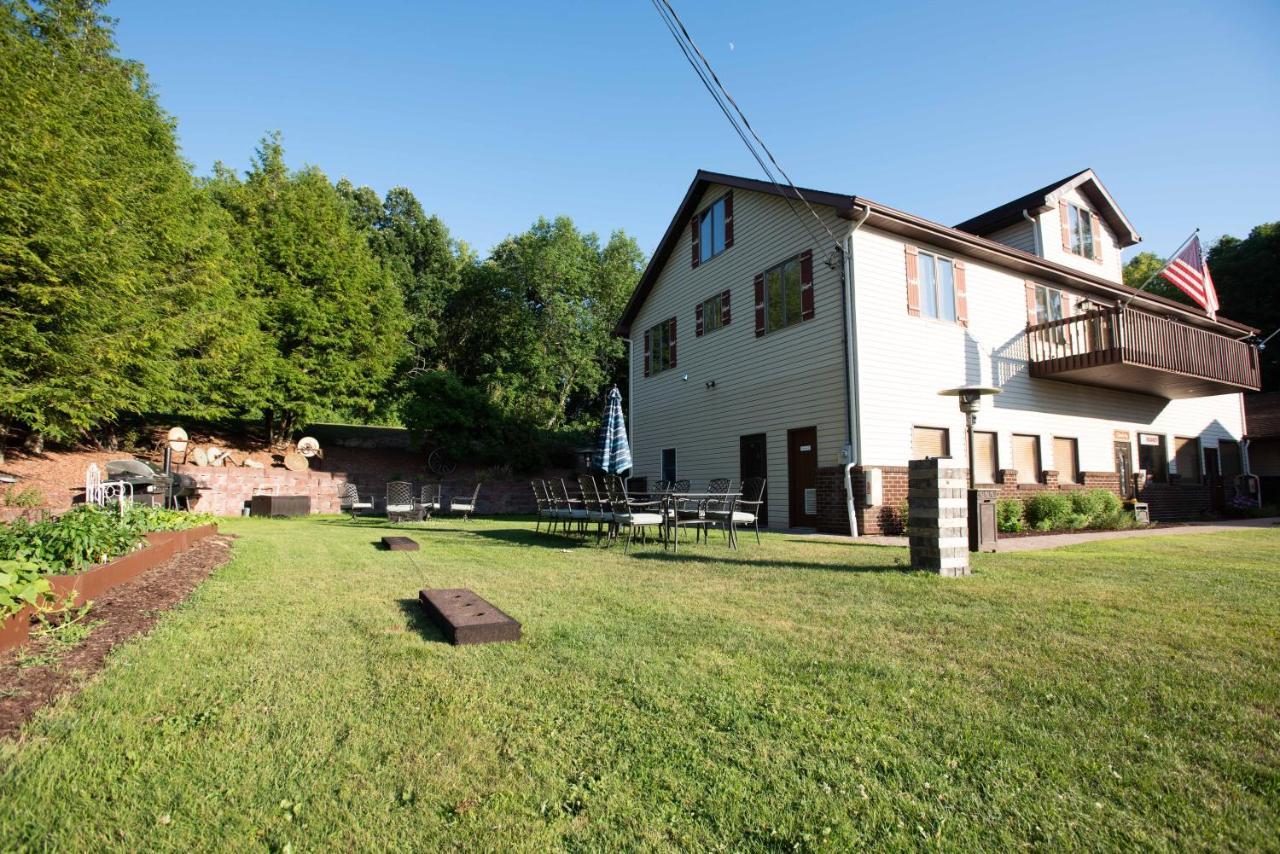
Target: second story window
[[1079, 231], [937, 287], [660, 347], [711, 314], [713, 230]]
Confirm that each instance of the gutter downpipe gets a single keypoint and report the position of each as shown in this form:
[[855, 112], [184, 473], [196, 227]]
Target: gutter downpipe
[[1035, 232], [631, 392], [853, 420]]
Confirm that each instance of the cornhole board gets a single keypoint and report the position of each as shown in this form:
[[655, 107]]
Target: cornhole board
[[400, 544], [466, 618]]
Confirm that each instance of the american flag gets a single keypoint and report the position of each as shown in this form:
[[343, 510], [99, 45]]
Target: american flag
[[1190, 274]]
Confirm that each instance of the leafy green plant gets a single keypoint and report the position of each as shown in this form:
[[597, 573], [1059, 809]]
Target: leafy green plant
[[1009, 516], [21, 584], [28, 496], [1095, 504], [1048, 511]]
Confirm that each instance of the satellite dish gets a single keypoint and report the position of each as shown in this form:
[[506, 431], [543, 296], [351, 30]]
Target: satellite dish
[[177, 438], [308, 446]]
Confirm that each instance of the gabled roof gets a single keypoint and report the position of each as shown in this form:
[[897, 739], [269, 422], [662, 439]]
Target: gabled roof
[[915, 228], [1046, 197]]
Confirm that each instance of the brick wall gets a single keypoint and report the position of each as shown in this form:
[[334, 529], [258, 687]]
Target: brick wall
[[1171, 502], [885, 518]]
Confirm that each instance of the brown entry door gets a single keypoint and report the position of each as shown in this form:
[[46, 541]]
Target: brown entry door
[[753, 461], [1124, 468], [802, 476], [1213, 474]]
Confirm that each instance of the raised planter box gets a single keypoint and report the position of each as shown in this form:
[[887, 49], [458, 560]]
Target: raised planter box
[[160, 547], [14, 629]]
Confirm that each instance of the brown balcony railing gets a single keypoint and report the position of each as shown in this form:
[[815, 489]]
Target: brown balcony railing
[[1084, 347]]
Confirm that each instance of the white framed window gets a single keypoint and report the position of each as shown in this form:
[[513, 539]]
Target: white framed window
[[1049, 304], [937, 287], [1080, 229]]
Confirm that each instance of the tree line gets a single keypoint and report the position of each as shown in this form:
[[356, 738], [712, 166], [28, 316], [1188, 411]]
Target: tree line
[[129, 285]]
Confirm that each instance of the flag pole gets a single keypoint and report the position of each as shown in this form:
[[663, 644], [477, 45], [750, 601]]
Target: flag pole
[[1156, 274]]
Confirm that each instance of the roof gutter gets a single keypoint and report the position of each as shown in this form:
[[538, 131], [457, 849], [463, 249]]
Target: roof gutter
[[853, 417], [1035, 232]]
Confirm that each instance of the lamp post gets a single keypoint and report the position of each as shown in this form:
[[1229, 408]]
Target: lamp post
[[970, 399]]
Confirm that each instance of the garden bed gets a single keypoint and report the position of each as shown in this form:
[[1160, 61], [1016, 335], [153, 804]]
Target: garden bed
[[40, 672], [83, 586]]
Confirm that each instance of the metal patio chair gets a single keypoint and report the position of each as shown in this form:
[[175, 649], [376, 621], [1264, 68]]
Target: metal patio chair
[[633, 515], [598, 509], [466, 506], [349, 500], [430, 500], [545, 510], [400, 504]]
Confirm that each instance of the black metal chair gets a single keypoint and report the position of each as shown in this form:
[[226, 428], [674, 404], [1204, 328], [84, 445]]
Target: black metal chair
[[632, 515], [545, 509], [467, 506], [349, 500], [596, 507], [400, 503], [430, 500]]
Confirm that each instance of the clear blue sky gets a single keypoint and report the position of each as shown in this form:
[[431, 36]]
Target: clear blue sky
[[494, 114]]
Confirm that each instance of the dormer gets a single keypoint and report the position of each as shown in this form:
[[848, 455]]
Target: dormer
[[1073, 222]]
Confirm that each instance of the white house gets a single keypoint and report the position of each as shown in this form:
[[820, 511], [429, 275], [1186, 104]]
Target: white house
[[766, 343]]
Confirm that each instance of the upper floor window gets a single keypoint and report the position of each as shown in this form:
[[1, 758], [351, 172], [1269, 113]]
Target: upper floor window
[[782, 295], [937, 287], [660, 347], [712, 313], [1080, 230], [713, 229]]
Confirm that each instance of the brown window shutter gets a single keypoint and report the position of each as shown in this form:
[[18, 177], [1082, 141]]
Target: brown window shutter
[[724, 308], [671, 333], [962, 295], [1068, 305], [1066, 224], [1097, 236], [759, 304], [697, 318], [913, 281], [806, 285], [646, 353], [695, 239], [1031, 303], [728, 220]]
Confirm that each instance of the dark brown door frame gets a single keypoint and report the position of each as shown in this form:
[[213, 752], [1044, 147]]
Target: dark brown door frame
[[802, 474]]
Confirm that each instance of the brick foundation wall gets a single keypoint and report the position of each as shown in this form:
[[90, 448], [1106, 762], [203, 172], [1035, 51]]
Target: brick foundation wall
[[885, 518], [1173, 502]]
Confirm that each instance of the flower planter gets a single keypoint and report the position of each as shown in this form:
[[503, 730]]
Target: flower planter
[[14, 629], [94, 581]]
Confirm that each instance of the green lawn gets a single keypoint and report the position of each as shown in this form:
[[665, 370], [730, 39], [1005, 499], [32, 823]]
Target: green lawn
[[798, 694]]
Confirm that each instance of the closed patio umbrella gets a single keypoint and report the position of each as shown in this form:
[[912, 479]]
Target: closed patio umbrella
[[613, 452]]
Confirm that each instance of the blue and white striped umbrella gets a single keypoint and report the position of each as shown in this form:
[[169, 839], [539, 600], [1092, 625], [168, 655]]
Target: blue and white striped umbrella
[[613, 452]]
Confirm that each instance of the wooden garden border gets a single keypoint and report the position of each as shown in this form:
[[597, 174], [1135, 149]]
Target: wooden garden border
[[86, 585]]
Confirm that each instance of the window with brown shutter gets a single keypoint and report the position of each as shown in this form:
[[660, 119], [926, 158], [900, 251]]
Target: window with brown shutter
[[935, 286], [1026, 458], [1066, 459], [712, 313], [713, 230], [986, 457], [1079, 233], [784, 294], [660, 347], [913, 280], [1186, 453], [930, 442]]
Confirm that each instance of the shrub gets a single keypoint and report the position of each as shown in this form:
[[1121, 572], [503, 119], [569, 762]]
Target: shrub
[[1048, 511], [28, 496], [1009, 515], [21, 584], [1095, 504]]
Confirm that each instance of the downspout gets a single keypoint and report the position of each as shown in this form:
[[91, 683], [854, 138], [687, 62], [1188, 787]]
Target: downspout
[[1035, 232], [853, 421], [631, 393]]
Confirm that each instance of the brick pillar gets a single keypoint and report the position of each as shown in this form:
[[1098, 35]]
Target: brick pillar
[[939, 518]]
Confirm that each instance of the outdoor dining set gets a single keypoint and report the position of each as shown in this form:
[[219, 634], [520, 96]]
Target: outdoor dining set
[[665, 509], [403, 505]]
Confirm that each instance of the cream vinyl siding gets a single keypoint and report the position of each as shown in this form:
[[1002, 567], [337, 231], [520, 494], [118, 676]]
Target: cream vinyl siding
[[1065, 456], [1020, 236], [903, 362], [789, 378], [1026, 457], [987, 456]]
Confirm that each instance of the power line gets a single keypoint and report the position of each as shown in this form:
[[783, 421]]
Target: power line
[[683, 31]]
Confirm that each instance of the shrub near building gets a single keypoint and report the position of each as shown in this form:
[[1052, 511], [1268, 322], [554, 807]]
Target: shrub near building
[[1098, 509]]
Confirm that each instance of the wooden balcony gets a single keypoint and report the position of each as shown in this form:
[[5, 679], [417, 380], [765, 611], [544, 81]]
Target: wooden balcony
[[1127, 349]]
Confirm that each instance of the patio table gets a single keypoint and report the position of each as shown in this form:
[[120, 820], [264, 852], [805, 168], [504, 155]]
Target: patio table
[[670, 500]]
